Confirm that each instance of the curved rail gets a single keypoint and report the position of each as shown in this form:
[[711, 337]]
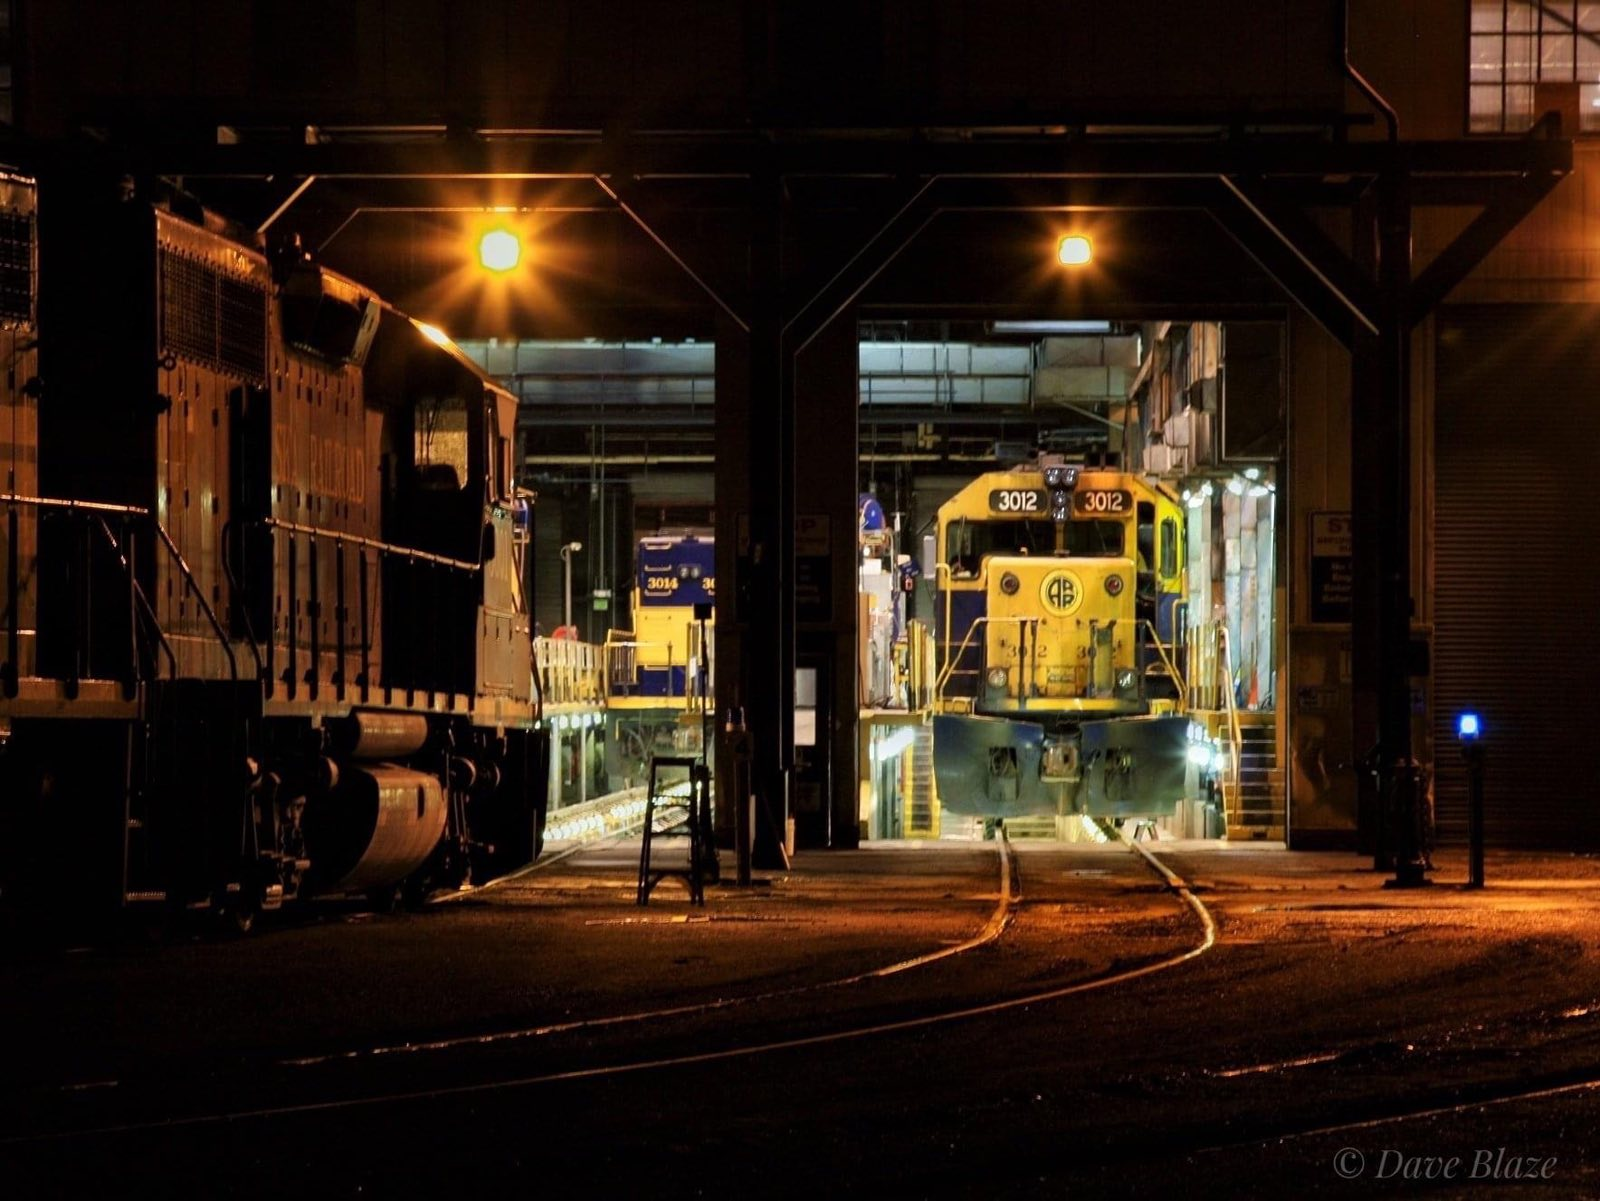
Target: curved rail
[[998, 920], [732, 1053]]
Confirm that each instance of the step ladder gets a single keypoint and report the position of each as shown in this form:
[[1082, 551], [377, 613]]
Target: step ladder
[[702, 862]]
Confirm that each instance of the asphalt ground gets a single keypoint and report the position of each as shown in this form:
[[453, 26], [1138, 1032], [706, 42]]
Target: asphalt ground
[[1061, 1025]]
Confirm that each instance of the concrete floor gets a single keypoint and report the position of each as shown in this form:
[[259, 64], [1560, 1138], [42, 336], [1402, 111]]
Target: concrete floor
[[550, 1034]]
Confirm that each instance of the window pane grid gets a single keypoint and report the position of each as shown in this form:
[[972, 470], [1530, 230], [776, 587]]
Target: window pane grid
[[1517, 44]]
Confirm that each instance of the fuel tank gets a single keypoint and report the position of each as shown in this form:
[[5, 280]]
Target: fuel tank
[[375, 828]]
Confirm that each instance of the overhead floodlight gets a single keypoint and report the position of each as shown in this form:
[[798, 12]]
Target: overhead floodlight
[[499, 250], [1074, 250]]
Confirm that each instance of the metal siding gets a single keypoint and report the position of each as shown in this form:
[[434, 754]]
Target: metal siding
[[1517, 577]]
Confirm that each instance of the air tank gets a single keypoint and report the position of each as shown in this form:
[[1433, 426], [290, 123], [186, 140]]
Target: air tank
[[376, 734]]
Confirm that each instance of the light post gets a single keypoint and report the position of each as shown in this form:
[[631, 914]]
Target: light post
[[567, 551], [1468, 731]]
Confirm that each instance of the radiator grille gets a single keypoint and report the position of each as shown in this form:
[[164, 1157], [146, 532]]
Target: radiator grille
[[16, 268], [242, 328], [212, 318]]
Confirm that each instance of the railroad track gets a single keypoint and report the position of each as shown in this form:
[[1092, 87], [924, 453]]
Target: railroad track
[[1008, 898]]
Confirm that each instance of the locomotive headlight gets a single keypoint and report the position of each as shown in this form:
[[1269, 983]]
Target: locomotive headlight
[[1114, 585], [1009, 585], [998, 677]]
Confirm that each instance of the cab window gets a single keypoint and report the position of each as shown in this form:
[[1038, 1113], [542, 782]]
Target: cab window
[[967, 542], [1146, 535], [1169, 547]]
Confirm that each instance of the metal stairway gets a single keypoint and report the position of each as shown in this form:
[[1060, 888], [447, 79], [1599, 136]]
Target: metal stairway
[[1258, 812], [920, 815]]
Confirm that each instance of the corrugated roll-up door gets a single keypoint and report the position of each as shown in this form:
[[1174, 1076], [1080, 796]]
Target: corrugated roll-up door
[[1517, 562]]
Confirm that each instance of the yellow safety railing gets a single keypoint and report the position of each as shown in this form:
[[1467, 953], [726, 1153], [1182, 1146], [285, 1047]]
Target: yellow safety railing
[[1211, 688], [1167, 660], [623, 661], [1232, 788], [1204, 674], [921, 668], [950, 668], [570, 672]]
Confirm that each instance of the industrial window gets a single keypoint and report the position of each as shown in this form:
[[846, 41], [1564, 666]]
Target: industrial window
[[1520, 51]]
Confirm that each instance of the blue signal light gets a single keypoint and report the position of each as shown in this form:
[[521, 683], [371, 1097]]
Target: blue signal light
[[1468, 727]]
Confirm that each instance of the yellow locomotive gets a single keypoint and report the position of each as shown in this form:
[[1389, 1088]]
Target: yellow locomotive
[[658, 674], [1059, 614]]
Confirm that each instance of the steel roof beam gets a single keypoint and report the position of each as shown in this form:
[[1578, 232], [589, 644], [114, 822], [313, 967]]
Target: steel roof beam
[[648, 156], [1329, 289]]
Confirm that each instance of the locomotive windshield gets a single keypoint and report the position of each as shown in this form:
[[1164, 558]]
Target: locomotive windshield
[[969, 541]]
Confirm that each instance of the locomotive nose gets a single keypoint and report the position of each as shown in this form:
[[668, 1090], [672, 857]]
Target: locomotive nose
[[1054, 627]]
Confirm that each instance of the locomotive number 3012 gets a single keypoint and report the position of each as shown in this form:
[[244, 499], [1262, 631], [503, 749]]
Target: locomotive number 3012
[[1102, 500], [1016, 500]]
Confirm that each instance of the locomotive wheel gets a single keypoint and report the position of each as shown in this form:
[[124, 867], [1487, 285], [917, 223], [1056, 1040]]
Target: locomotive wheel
[[241, 919], [414, 890], [235, 915]]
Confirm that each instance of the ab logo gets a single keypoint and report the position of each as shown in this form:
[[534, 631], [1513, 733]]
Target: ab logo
[[1061, 593]]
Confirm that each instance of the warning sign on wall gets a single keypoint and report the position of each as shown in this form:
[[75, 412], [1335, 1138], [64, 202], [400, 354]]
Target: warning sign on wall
[[1330, 567]]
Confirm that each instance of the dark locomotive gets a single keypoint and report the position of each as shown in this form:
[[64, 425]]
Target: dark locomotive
[[265, 630]]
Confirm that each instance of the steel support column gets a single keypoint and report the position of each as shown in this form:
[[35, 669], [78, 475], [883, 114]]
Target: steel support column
[[1368, 468], [755, 537], [826, 462], [1398, 773], [1390, 815]]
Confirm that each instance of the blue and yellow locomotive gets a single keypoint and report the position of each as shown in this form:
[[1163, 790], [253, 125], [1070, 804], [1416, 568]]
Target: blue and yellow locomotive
[[658, 674], [1059, 596]]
